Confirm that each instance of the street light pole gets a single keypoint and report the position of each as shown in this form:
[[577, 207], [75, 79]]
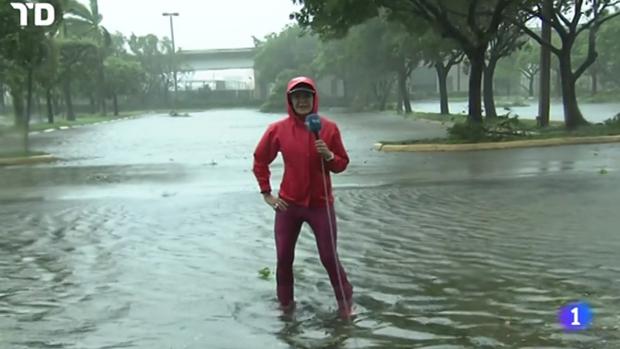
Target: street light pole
[[174, 68]]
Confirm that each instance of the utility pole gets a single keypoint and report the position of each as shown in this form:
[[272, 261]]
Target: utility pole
[[174, 67]]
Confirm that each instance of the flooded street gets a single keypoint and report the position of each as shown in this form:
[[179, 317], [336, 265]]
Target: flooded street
[[151, 232]]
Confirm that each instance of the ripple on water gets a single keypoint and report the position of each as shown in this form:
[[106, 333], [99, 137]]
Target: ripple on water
[[433, 267]]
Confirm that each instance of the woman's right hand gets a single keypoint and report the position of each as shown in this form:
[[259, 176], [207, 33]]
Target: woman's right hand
[[275, 202]]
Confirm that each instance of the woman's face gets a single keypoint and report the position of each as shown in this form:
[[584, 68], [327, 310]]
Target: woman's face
[[302, 102]]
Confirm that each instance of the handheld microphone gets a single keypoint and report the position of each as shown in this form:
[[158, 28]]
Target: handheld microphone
[[313, 122]]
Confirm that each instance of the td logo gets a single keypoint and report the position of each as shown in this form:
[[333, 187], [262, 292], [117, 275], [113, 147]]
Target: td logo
[[39, 8]]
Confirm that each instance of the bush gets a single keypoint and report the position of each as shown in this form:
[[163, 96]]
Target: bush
[[467, 131], [276, 100], [613, 122], [509, 122]]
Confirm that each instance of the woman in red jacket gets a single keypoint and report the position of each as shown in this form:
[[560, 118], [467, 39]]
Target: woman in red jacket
[[305, 193]]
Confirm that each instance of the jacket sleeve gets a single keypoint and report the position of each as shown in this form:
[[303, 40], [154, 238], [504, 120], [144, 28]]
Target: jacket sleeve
[[265, 152], [341, 158]]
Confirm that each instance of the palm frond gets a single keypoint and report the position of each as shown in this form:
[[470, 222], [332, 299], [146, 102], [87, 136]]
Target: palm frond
[[73, 8]]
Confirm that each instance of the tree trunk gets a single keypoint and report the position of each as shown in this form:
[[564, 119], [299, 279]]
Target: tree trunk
[[165, 92], [387, 91], [381, 94], [442, 77], [115, 104], [476, 59], [376, 98], [572, 115], [386, 96], [544, 77], [68, 102], [558, 83], [56, 104], [17, 96], [93, 104], [2, 104], [26, 125], [530, 88], [458, 77], [105, 107], [39, 107], [50, 110], [489, 98], [101, 87], [28, 96], [382, 103], [402, 88]]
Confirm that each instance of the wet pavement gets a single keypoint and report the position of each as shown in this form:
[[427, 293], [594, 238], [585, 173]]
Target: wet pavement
[[151, 233]]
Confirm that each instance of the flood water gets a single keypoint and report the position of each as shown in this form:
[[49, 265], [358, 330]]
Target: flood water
[[150, 234]]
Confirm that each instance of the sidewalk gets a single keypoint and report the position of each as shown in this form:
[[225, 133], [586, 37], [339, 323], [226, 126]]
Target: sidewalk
[[496, 145], [27, 160]]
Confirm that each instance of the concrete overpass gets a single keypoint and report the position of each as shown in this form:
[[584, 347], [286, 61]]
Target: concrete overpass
[[235, 58], [217, 59], [243, 58]]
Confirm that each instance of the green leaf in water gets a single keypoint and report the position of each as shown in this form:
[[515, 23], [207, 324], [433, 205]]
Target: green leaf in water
[[603, 172], [264, 273]]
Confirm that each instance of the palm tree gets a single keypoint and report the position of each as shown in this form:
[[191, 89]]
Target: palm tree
[[81, 21]]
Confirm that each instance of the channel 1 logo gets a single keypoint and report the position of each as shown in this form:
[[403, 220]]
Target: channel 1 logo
[[576, 316]]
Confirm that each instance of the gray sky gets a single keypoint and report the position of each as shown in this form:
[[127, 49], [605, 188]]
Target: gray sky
[[201, 24]]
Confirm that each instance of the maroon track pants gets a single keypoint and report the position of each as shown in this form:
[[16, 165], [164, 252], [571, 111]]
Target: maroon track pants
[[287, 227]]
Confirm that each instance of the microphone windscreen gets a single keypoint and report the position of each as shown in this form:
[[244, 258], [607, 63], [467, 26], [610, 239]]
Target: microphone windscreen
[[313, 122]]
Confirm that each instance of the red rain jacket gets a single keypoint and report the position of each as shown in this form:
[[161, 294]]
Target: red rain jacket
[[301, 182]]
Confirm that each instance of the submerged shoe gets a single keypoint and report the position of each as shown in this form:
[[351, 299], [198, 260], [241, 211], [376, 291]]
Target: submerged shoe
[[345, 310], [288, 308]]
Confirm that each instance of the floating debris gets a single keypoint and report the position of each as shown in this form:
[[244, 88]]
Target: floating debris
[[264, 273]]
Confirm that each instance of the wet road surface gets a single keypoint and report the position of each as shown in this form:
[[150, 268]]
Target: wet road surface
[[151, 233]]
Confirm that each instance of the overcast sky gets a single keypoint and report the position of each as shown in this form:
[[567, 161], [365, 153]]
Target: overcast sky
[[201, 24]]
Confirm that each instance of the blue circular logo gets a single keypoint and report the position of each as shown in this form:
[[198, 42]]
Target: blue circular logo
[[575, 316]]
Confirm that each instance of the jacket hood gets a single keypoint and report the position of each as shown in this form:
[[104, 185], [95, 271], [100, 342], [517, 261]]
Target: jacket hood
[[301, 80]]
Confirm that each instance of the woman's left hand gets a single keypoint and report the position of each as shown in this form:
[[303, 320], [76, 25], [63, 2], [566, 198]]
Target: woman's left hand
[[322, 148]]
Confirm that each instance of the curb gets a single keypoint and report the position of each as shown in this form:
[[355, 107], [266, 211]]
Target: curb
[[37, 159], [496, 145], [61, 128]]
